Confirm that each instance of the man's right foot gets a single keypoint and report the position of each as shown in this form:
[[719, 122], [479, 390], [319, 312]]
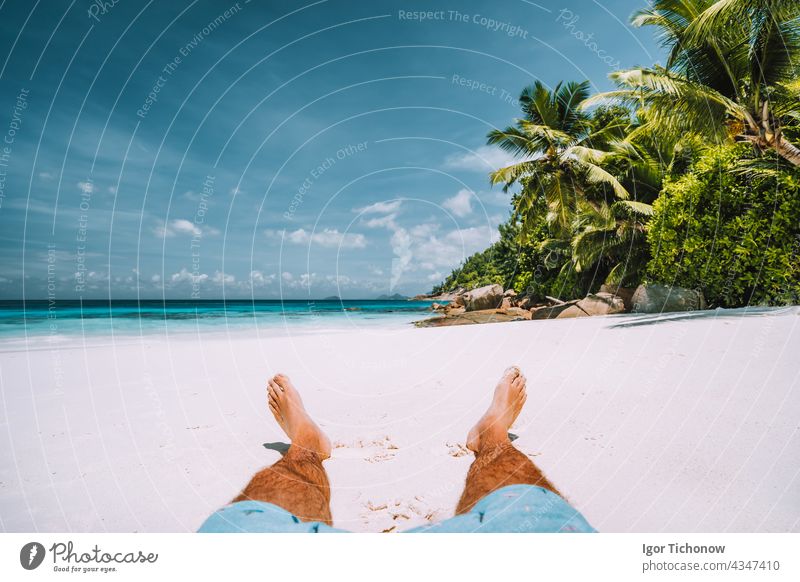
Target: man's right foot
[[287, 408], [509, 397]]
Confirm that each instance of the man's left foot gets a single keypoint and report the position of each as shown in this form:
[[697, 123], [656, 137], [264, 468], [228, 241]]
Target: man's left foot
[[287, 408]]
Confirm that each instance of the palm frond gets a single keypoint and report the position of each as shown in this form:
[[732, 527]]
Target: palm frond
[[597, 175], [509, 175], [637, 207], [537, 104], [516, 141], [675, 105], [724, 12], [545, 133]]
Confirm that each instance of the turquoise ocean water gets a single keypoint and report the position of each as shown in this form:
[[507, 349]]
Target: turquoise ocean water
[[20, 319], [32, 321]]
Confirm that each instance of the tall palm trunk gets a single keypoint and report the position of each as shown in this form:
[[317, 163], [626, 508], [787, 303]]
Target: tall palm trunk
[[786, 150], [765, 137]]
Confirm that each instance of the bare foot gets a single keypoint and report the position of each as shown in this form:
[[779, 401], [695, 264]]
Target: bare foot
[[287, 408], [509, 397]]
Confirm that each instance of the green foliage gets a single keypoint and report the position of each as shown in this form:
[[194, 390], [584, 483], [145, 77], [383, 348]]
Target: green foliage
[[499, 264], [655, 183], [559, 146], [730, 72], [733, 233], [538, 266], [478, 270], [566, 247]]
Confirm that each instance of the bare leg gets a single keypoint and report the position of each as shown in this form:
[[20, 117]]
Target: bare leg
[[298, 482], [497, 462]]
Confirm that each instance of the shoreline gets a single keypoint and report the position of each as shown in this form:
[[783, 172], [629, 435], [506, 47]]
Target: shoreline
[[286, 327]]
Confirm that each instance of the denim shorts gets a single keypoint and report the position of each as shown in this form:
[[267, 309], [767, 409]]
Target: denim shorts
[[511, 509]]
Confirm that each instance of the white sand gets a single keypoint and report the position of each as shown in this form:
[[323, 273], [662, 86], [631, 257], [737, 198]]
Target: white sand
[[683, 426]]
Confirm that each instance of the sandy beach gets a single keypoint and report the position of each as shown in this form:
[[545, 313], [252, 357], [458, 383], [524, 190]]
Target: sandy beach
[[684, 425]]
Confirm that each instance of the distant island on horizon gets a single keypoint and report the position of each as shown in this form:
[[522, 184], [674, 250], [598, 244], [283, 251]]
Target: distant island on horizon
[[393, 297]]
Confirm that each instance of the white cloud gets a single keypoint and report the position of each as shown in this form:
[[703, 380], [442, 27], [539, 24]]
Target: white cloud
[[483, 159], [184, 276], [45, 175], [302, 281], [181, 226], [299, 237], [460, 204], [380, 207], [386, 221], [321, 284], [221, 278], [328, 237], [177, 226], [456, 245], [259, 279], [340, 280], [424, 230], [86, 187], [474, 236], [401, 247], [386, 211], [422, 247]]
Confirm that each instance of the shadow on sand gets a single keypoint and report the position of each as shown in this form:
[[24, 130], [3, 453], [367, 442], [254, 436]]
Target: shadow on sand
[[633, 320], [277, 446]]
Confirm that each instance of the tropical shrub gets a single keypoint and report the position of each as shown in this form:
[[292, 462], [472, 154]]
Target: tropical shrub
[[477, 270], [530, 266], [731, 227]]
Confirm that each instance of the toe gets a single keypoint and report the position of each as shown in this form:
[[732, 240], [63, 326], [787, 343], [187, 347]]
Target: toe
[[275, 411], [281, 380]]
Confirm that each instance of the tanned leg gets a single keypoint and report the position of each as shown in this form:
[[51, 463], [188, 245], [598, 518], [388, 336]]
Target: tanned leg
[[298, 482], [497, 462]]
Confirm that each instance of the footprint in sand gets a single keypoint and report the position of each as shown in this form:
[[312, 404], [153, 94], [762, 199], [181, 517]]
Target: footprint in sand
[[399, 514], [373, 451], [457, 450]]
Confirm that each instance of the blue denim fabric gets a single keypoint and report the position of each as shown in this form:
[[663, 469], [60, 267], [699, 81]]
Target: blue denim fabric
[[512, 509]]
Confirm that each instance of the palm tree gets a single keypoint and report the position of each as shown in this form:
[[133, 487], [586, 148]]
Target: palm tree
[[609, 237], [557, 143], [731, 71]]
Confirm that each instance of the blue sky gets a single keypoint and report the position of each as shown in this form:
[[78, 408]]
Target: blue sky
[[269, 149]]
